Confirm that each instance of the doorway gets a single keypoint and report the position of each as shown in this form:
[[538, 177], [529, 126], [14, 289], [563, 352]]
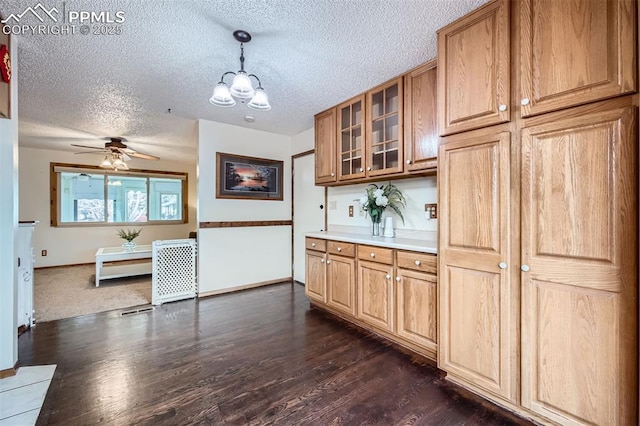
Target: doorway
[[308, 208]]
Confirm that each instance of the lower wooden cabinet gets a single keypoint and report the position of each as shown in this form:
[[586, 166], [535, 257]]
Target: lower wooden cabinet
[[341, 284], [416, 307], [391, 292], [315, 285], [375, 294]]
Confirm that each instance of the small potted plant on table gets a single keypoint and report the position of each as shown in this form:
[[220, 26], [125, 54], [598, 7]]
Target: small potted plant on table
[[129, 235]]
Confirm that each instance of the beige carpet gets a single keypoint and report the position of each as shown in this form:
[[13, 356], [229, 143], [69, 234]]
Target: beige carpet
[[70, 291]]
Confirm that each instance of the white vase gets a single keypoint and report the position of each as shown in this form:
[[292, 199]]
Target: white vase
[[129, 246]]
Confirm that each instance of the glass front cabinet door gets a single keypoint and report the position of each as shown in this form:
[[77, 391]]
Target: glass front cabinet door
[[384, 141], [351, 154]]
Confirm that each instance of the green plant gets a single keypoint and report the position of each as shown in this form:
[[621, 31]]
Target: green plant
[[129, 234], [378, 198]]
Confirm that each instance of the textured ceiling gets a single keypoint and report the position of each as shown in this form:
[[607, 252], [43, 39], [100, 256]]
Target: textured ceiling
[[309, 55]]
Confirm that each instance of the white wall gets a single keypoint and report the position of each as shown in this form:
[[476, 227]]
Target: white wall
[[303, 141], [417, 191], [234, 257], [9, 224], [72, 245]]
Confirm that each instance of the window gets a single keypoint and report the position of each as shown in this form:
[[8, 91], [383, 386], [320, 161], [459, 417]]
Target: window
[[88, 195]]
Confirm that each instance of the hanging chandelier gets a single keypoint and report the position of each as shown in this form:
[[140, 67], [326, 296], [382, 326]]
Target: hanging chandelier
[[241, 88]]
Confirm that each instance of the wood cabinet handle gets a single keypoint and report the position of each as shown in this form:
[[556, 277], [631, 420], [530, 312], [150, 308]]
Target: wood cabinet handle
[[328, 262], [524, 101], [524, 268], [417, 262], [339, 248], [502, 265], [361, 169], [333, 174], [388, 276], [408, 161], [373, 255], [502, 107], [313, 244], [321, 260], [368, 168], [398, 279]]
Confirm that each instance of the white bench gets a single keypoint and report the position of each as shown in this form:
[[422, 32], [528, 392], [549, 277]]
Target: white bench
[[117, 255]]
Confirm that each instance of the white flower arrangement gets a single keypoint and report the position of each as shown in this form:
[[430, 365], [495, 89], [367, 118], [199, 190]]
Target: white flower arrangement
[[378, 198]]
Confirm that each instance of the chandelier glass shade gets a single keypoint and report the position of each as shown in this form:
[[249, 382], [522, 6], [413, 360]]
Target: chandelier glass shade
[[241, 87], [114, 161]]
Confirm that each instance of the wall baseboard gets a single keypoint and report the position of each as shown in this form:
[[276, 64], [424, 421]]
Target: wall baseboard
[[244, 287], [9, 372], [64, 266]]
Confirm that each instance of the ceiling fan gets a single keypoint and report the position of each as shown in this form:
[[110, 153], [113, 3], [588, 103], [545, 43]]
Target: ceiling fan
[[116, 153]]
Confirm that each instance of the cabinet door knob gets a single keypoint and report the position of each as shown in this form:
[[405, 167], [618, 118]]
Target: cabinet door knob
[[361, 169], [368, 168], [502, 107], [524, 268], [339, 248], [408, 161], [321, 260], [398, 279], [313, 244], [333, 174], [524, 101], [328, 262], [502, 265], [373, 255], [388, 276], [417, 262]]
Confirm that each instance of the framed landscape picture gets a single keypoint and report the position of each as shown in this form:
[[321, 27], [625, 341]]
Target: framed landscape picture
[[248, 178]]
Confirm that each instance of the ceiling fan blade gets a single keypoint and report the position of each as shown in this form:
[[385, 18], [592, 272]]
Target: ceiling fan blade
[[143, 156], [88, 147], [125, 156], [89, 152]]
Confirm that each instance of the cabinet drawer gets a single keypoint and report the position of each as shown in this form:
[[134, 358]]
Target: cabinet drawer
[[341, 248], [375, 254], [417, 261], [315, 244]]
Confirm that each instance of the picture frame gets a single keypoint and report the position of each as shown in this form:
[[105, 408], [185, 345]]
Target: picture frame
[[5, 88], [248, 178]]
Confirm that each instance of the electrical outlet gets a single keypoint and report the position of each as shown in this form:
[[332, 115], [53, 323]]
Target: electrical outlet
[[431, 211], [350, 211], [44, 253]]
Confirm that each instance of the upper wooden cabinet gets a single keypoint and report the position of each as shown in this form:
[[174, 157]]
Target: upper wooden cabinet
[[325, 133], [384, 129], [351, 147], [574, 52], [420, 118], [371, 137], [474, 71]]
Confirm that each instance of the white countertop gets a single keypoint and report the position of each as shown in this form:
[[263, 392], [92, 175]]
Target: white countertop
[[423, 246]]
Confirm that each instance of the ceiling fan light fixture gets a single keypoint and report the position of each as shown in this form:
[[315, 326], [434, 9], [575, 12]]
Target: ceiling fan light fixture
[[241, 87], [221, 96], [119, 164], [260, 101], [106, 163]]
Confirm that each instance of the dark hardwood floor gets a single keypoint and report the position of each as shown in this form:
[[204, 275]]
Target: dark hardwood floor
[[256, 357]]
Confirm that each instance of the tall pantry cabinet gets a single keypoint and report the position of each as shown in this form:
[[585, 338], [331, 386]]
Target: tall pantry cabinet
[[538, 248]]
